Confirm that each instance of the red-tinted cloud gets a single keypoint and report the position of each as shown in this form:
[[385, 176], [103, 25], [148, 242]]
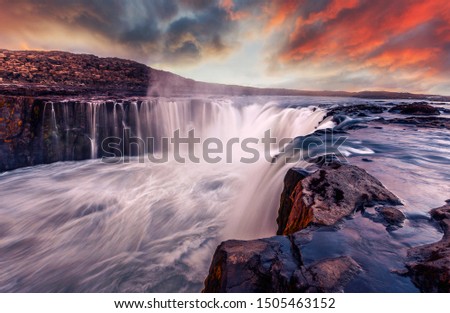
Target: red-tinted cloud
[[279, 12], [385, 34], [308, 44]]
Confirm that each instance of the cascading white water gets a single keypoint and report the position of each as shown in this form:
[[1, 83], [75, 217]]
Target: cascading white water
[[93, 124], [258, 184], [93, 226]]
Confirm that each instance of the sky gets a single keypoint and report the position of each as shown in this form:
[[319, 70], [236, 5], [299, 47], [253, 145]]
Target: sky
[[353, 45]]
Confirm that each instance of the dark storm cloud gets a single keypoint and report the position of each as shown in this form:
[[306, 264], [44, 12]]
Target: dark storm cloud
[[173, 30], [191, 36], [197, 4], [310, 7]]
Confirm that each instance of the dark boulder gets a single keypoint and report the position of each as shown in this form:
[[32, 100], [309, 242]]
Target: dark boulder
[[365, 109], [329, 194], [263, 265], [417, 108], [274, 265], [329, 275], [392, 216], [429, 265]]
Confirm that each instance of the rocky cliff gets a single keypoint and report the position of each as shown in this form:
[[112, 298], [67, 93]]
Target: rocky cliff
[[50, 73]]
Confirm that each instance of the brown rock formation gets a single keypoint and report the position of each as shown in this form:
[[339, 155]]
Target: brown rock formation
[[328, 275], [274, 265], [392, 215], [331, 193], [417, 108], [429, 265], [61, 73]]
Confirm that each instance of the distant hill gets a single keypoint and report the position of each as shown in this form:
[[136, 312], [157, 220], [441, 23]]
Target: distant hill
[[44, 73]]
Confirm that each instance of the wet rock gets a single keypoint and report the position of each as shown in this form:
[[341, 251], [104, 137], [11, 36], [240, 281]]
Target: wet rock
[[429, 265], [263, 265], [391, 215], [417, 108], [329, 194], [274, 265], [293, 176], [428, 122], [358, 110], [443, 110], [28, 137], [327, 276]]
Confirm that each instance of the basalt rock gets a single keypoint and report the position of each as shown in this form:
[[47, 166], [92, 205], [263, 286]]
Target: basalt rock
[[417, 108], [274, 265], [293, 176], [329, 194], [49, 73], [329, 275], [357, 110], [392, 216], [263, 265], [427, 122], [40, 131], [429, 265]]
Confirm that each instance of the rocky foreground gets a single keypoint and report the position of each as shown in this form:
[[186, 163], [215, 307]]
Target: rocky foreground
[[429, 265], [323, 198], [274, 265], [326, 196]]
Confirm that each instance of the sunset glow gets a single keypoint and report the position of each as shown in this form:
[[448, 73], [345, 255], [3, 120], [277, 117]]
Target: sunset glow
[[350, 45]]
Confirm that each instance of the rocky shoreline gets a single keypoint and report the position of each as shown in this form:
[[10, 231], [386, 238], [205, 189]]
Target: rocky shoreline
[[323, 198], [429, 265]]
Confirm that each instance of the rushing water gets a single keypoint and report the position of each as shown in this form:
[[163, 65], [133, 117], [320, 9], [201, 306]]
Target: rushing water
[[124, 227]]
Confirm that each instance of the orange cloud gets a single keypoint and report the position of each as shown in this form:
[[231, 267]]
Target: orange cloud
[[279, 12], [228, 5], [397, 59], [400, 34]]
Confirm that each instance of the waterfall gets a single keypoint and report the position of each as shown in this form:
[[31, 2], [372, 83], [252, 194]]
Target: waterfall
[[221, 119], [108, 226], [78, 127]]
